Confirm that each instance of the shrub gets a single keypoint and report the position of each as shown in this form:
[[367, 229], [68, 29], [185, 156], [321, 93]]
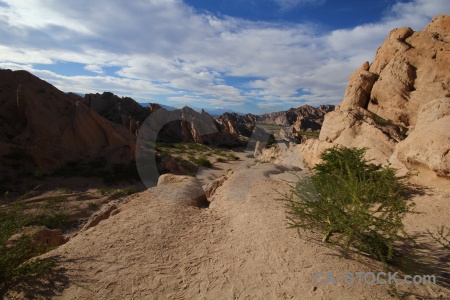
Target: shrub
[[204, 162], [359, 203], [221, 160]]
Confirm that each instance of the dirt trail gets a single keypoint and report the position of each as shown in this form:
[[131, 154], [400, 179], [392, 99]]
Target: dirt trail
[[238, 248]]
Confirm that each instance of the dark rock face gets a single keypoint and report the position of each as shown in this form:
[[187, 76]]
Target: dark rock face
[[43, 128], [188, 125], [119, 110], [303, 118]]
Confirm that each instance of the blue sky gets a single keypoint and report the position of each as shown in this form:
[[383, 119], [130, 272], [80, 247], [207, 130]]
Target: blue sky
[[242, 55]]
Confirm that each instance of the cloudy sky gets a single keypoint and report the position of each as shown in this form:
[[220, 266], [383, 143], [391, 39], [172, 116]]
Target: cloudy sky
[[242, 55]]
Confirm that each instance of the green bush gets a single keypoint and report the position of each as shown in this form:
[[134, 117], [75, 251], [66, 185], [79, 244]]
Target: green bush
[[204, 162], [357, 205]]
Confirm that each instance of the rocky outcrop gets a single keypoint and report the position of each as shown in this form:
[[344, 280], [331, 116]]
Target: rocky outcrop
[[303, 118], [187, 125], [282, 154], [186, 190], [237, 124], [43, 128], [104, 213], [390, 106], [358, 90], [429, 144], [120, 110]]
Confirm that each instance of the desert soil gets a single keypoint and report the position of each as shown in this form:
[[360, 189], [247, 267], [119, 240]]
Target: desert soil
[[238, 248]]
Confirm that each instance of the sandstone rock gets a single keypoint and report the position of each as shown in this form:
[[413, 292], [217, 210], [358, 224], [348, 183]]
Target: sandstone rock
[[258, 148], [412, 70], [350, 128], [359, 87], [186, 190], [428, 145], [104, 213], [440, 25], [282, 154], [311, 150], [211, 187]]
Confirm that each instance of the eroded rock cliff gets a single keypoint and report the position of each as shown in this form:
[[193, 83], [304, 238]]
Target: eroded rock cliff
[[42, 128], [397, 106]]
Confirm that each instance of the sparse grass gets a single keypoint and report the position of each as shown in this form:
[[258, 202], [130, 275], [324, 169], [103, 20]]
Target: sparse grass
[[251, 155], [30, 193], [115, 194], [382, 122], [221, 160], [53, 202], [204, 162], [105, 191], [233, 157], [309, 133], [14, 259], [93, 206], [82, 197], [124, 192]]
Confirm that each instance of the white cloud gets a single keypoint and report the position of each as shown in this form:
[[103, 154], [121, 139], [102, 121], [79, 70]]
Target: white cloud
[[166, 47], [94, 68], [289, 4]]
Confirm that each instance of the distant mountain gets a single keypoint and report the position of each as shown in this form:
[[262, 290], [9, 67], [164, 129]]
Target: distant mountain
[[216, 112], [167, 107], [78, 94]]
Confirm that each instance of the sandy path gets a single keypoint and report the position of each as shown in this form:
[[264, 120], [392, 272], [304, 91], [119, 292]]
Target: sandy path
[[239, 248]]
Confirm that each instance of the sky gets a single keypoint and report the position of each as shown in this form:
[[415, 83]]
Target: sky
[[240, 55]]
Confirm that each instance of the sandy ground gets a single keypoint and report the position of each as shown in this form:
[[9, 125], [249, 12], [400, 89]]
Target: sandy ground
[[238, 248]]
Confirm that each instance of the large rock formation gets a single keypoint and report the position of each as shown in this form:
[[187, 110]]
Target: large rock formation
[[395, 106], [303, 118], [120, 110], [43, 128], [188, 125]]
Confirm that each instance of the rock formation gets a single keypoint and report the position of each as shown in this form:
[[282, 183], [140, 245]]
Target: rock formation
[[43, 128], [119, 110], [396, 106], [303, 118]]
